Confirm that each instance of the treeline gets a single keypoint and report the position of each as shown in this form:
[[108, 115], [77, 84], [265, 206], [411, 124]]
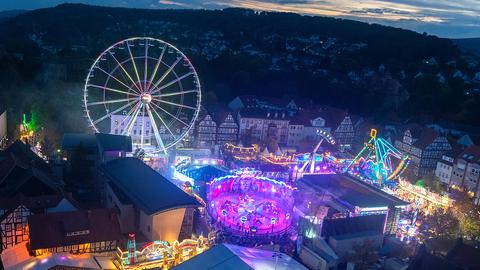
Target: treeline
[[384, 71]]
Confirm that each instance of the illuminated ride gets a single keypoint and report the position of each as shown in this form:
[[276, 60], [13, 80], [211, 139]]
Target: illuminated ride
[[241, 153], [378, 160], [144, 88], [283, 159], [310, 164], [160, 254], [246, 202]]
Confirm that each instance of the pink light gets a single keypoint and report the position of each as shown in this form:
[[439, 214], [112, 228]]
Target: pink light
[[324, 168], [44, 260]]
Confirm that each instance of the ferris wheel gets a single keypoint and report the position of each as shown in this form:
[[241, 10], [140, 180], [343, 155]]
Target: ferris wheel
[[144, 88]]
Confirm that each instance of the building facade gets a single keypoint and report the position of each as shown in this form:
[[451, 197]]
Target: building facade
[[227, 130], [206, 132], [466, 171], [142, 125], [305, 129], [260, 125], [444, 169], [77, 232], [425, 147], [13, 226], [344, 134]]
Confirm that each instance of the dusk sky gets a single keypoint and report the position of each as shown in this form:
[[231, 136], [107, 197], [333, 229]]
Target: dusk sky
[[445, 18]]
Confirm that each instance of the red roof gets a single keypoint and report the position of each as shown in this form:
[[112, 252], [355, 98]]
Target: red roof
[[303, 117], [471, 153], [427, 136]]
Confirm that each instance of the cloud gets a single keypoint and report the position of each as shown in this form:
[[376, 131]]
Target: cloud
[[446, 18], [379, 11], [174, 3]]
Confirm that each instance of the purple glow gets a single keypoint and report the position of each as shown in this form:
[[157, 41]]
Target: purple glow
[[248, 202]]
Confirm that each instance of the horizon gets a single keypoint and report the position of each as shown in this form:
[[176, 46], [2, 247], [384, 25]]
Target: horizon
[[446, 19]]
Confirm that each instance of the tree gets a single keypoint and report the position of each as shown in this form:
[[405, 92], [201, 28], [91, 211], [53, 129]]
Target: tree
[[432, 183], [468, 216], [442, 224]]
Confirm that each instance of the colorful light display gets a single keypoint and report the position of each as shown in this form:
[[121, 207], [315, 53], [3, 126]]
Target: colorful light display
[[28, 128], [310, 164], [245, 202], [283, 160], [411, 193], [160, 254], [376, 160], [242, 153]]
